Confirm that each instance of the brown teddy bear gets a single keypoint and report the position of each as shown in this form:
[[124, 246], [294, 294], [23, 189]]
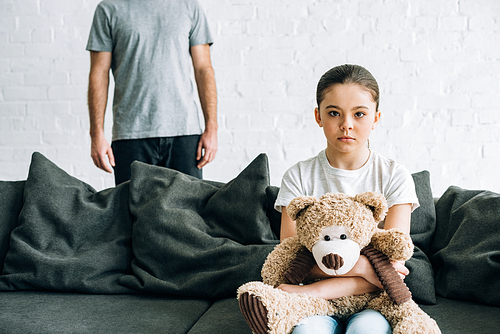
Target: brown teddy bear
[[332, 232]]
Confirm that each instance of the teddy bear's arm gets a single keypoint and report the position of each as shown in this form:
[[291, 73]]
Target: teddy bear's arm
[[280, 260], [393, 284], [386, 246], [394, 243], [300, 267]]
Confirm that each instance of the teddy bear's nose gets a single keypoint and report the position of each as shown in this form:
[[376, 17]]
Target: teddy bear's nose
[[333, 261]]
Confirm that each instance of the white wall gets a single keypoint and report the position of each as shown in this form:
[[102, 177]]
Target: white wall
[[437, 63]]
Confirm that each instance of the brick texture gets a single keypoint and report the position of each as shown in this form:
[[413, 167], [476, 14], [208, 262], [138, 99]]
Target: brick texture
[[437, 63]]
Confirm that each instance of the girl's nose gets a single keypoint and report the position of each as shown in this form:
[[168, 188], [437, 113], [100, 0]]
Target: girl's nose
[[346, 124]]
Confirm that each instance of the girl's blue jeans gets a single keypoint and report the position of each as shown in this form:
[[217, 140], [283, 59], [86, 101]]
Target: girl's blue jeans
[[364, 322]]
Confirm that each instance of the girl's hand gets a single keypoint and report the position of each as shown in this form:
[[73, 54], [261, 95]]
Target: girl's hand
[[363, 268], [400, 268]]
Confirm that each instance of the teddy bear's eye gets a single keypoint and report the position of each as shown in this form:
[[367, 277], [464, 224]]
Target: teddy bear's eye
[[327, 238], [343, 236]]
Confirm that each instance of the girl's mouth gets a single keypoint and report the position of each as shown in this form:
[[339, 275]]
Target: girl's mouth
[[346, 139]]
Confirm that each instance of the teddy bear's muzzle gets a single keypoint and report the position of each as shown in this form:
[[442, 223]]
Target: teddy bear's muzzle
[[333, 261]]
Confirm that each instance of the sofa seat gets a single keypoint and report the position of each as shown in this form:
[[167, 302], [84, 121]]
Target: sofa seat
[[26, 312], [36, 312], [223, 316], [464, 317]]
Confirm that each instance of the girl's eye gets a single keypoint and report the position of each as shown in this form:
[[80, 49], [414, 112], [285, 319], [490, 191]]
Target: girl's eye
[[334, 113], [359, 114]]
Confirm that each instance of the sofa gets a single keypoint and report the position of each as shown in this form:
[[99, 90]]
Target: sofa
[[165, 252]]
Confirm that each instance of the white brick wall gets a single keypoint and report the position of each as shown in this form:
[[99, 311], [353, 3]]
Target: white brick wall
[[437, 62]]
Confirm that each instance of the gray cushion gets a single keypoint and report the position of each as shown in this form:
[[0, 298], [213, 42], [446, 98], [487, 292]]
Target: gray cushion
[[194, 238], [68, 237], [11, 204], [423, 219], [465, 251], [420, 281]]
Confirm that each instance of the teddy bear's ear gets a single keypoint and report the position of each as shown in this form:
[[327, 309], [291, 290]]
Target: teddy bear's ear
[[375, 202], [299, 204]]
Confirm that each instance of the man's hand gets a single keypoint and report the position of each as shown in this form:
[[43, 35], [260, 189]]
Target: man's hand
[[207, 148], [99, 149]]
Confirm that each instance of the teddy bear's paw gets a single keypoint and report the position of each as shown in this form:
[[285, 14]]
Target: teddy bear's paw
[[254, 312]]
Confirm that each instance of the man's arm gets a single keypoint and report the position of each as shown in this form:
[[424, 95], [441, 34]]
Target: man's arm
[[100, 64], [207, 91]]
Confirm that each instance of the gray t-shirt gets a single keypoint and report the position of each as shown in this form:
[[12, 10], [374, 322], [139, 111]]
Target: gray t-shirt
[[316, 177], [150, 42]]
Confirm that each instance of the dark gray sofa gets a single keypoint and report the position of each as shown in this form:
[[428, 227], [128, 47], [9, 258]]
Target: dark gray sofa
[[165, 253]]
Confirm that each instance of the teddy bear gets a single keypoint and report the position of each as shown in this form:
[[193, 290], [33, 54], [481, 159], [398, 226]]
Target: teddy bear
[[332, 232]]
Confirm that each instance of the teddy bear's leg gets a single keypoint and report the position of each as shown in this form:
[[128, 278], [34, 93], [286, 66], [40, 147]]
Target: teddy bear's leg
[[406, 318], [273, 311], [255, 313], [414, 320]]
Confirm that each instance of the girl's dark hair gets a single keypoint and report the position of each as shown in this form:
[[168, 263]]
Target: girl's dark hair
[[348, 74]]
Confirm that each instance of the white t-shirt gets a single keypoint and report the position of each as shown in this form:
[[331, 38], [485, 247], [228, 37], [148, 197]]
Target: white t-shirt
[[316, 177]]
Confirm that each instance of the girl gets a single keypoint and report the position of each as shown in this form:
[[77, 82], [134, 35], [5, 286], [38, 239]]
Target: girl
[[348, 101]]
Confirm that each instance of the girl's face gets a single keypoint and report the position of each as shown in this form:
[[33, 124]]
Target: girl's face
[[347, 115]]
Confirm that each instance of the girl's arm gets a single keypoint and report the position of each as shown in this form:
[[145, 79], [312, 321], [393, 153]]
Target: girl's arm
[[287, 228], [399, 216], [332, 288]]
